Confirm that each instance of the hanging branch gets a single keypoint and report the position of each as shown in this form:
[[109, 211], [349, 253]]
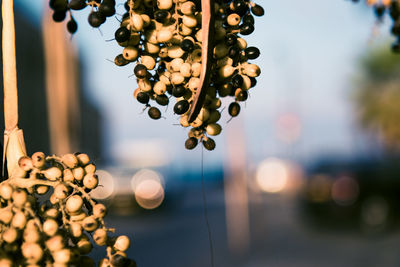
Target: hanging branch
[[14, 145]]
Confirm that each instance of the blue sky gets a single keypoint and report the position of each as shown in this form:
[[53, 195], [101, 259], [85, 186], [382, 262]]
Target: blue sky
[[309, 59]]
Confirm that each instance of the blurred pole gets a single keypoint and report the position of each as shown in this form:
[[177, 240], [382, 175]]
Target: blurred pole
[[61, 85], [236, 199]]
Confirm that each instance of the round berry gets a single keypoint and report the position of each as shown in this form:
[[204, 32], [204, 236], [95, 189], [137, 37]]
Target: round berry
[[140, 71], [209, 144], [122, 34], [191, 143], [154, 113], [96, 19], [181, 107], [257, 10], [234, 109], [143, 97]]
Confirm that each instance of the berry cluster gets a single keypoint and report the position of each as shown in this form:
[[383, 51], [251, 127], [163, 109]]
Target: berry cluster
[[165, 40], [47, 216], [101, 9], [392, 7]]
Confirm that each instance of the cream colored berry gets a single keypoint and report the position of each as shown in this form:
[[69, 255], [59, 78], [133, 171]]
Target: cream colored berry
[[52, 173], [70, 160], [78, 173], [50, 227], [189, 21], [42, 189], [241, 43], [136, 22], [130, 53], [10, 235], [90, 181], [55, 243], [25, 163], [31, 235], [196, 69], [164, 35], [122, 243], [152, 48], [177, 78], [53, 199], [186, 70], [6, 191], [233, 19], [61, 191], [252, 70], [6, 216], [196, 56], [90, 224], [75, 228], [159, 88], [90, 168], [99, 210], [188, 8], [213, 129], [100, 237], [175, 51], [74, 204], [32, 252], [175, 64], [67, 175], [144, 85], [77, 217], [19, 198], [62, 256], [39, 160], [148, 61], [185, 30], [226, 71], [52, 213], [164, 4]]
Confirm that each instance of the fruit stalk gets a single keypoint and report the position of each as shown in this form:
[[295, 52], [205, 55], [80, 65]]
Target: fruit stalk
[[207, 8], [14, 145]]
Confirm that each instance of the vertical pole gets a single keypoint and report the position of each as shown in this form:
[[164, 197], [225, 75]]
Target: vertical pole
[[236, 198], [61, 86]]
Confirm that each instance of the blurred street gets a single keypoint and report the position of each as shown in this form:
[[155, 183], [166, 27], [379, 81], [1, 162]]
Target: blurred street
[[178, 237]]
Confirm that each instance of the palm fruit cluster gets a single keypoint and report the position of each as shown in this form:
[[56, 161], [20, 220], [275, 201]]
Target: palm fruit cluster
[[392, 8], [48, 218], [164, 40], [101, 9]]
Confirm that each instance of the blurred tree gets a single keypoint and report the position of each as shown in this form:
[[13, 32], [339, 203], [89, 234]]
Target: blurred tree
[[378, 95]]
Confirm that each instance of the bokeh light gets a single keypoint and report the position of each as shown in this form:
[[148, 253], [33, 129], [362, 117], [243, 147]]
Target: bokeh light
[[272, 175], [148, 188], [345, 191], [106, 185]]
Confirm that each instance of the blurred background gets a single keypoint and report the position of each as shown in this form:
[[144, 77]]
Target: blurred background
[[307, 175]]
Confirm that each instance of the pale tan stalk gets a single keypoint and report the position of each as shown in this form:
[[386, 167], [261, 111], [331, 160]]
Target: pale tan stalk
[[14, 145]]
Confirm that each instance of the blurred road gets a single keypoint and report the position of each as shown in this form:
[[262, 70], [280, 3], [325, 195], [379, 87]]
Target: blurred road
[[177, 237]]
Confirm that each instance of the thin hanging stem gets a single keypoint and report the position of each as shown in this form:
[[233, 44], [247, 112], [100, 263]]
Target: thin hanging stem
[[9, 67]]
